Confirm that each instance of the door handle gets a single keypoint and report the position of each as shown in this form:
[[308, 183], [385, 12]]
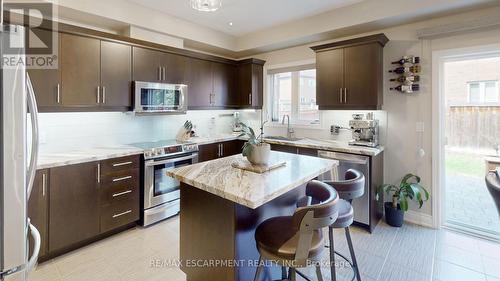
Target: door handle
[[98, 94], [345, 95], [30, 178], [122, 193], [58, 93], [122, 164], [36, 247], [159, 73], [164, 73], [122, 214], [340, 95], [103, 94], [122, 178], [99, 173], [250, 99], [44, 184]]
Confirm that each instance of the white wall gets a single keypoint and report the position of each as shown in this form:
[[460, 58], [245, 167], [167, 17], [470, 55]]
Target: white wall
[[403, 111], [66, 131]]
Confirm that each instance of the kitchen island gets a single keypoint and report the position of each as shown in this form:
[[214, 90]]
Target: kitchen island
[[221, 207]]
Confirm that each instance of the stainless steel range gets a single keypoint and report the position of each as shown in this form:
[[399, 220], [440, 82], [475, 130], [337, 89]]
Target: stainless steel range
[[161, 192]]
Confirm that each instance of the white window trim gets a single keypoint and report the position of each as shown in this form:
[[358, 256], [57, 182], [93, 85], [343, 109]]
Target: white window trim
[[268, 97]]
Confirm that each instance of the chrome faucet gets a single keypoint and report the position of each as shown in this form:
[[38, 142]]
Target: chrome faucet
[[289, 131]]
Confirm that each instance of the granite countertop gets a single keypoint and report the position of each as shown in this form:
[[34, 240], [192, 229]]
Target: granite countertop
[[56, 159], [51, 159], [248, 188], [330, 145]]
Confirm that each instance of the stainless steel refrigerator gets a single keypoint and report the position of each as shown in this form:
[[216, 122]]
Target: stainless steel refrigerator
[[18, 122]]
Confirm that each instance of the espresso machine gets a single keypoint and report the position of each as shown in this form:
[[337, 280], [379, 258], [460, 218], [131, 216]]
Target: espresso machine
[[364, 130]]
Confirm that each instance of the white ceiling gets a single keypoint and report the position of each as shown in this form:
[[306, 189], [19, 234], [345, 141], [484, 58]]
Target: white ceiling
[[246, 15]]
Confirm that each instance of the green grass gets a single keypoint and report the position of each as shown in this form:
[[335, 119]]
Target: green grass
[[466, 164]]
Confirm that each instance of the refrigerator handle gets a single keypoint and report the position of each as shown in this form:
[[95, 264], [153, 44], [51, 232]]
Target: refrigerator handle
[[36, 247], [34, 135]]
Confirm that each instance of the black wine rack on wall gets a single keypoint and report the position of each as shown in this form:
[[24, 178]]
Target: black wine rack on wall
[[408, 75]]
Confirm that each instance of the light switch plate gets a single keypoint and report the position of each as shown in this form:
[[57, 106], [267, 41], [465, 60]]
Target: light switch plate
[[420, 127]]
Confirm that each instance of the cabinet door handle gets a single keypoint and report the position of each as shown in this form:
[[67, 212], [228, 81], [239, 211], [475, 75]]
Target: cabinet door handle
[[250, 99], [340, 96], [98, 94], [44, 184], [99, 173], [122, 164], [222, 150], [58, 93], [122, 214], [345, 95], [122, 178], [164, 73], [103, 94], [122, 193]]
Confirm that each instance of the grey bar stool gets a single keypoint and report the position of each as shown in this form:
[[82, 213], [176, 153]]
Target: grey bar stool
[[493, 184], [352, 187], [294, 241]]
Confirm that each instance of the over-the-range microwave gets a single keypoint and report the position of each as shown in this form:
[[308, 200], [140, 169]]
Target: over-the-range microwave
[[160, 98]]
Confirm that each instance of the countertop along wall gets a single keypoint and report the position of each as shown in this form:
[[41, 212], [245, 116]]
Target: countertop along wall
[[399, 133]]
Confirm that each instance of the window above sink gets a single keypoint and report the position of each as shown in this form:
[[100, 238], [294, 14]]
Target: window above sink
[[292, 91]]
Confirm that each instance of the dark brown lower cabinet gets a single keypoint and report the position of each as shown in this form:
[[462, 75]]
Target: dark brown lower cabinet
[[38, 209], [213, 151], [86, 202], [74, 205]]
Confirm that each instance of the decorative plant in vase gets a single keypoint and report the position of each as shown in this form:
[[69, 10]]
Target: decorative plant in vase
[[409, 189], [255, 149]]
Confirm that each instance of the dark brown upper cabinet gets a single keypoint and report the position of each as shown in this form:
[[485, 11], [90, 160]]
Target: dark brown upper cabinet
[[250, 83], [155, 66], [80, 71], [350, 73], [38, 209], [224, 85], [116, 75], [146, 65], [46, 82], [200, 84]]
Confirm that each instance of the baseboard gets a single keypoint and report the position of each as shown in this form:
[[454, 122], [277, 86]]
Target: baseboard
[[419, 218]]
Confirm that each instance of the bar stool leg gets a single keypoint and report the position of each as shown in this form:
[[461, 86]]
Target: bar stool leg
[[259, 270], [319, 275], [332, 255], [283, 273], [292, 275], [353, 255]]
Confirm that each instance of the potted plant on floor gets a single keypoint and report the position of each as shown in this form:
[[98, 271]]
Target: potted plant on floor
[[255, 149], [409, 189]]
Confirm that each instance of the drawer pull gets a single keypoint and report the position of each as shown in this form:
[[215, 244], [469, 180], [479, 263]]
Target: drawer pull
[[122, 214], [122, 164], [122, 179], [122, 193]]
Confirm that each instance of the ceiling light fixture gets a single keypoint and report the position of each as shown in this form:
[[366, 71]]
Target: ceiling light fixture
[[230, 23], [206, 5]]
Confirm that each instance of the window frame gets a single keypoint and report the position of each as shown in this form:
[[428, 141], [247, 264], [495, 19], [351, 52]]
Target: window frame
[[294, 69], [482, 92]]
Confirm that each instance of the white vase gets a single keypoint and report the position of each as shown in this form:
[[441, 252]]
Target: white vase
[[260, 154]]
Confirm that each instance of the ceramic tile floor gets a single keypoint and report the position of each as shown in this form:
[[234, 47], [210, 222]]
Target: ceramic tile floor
[[390, 254]]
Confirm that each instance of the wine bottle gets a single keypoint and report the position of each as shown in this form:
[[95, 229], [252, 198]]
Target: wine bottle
[[410, 69], [407, 59], [407, 88], [406, 79]]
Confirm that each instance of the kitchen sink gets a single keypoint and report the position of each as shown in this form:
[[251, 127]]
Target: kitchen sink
[[282, 138]]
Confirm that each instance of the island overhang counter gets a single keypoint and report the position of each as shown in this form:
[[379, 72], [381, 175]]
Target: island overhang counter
[[221, 207]]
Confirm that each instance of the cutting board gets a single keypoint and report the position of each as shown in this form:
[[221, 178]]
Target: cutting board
[[260, 169]]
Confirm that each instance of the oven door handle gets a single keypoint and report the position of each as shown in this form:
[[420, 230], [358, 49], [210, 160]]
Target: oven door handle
[[151, 163]]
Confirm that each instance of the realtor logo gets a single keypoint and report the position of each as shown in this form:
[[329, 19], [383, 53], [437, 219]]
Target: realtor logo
[[32, 38]]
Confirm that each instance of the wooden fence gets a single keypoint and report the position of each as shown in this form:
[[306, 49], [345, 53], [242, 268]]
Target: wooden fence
[[476, 127]]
